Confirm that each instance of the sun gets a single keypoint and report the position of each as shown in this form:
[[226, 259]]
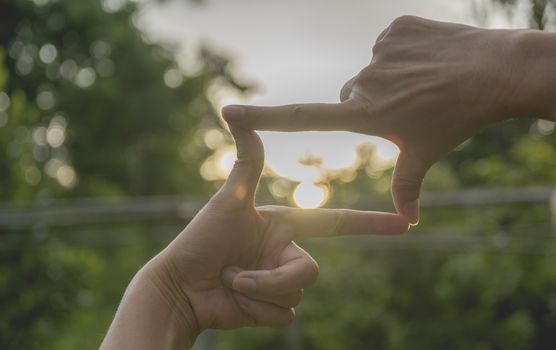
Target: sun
[[308, 195]]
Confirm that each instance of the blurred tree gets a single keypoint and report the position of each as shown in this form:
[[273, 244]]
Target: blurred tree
[[89, 107], [113, 114]]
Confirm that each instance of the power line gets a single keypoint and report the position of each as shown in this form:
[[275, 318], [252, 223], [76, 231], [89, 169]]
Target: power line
[[104, 222], [102, 210]]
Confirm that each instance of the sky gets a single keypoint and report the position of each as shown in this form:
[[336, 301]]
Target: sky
[[296, 51]]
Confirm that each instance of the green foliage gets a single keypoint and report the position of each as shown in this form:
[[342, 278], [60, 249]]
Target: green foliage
[[540, 12], [95, 110], [42, 281], [126, 131]]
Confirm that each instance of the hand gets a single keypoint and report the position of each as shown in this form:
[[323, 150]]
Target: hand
[[430, 86], [236, 265]]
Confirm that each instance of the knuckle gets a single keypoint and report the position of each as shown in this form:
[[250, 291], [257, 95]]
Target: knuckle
[[355, 82], [276, 275], [340, 224], [354, 109], [379, 47], [298, 114], [373, 74], [403, 22], [297, 109]]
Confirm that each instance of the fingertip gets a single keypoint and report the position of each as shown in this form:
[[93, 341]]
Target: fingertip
[[290, 318], [411, 212], [284, 320], [312, 271], [265, 314], [229, 274], [398, 225], [408, 226], [233, 113], [245, 285]]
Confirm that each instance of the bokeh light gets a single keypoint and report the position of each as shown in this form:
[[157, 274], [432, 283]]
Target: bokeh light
[[48, 53], [4, 101], [85, 77], [173, 78], [66, 176], [3, 119], [219, 165]]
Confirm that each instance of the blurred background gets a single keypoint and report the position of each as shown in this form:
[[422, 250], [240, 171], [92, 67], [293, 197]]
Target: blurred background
[[111, 140]]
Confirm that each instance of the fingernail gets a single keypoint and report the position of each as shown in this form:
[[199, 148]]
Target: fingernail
[[229, 274], [245, 285], [233, 113], [411, 211]]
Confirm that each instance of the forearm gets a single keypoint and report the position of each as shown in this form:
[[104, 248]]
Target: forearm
[[147, 318], [535, 86]]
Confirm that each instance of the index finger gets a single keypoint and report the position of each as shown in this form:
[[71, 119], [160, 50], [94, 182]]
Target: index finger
[[339, 222], [296, 117]]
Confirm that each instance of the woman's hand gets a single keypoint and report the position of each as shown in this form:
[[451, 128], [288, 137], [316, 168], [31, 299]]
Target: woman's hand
[[238, 265], [430, 86], [234, 265]]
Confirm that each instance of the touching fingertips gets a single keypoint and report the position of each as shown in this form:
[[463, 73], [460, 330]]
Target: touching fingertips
[[233, 113], [411, 211], [398, 225]]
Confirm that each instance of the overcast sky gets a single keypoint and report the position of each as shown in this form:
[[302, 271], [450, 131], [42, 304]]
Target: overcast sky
[[296, 50]]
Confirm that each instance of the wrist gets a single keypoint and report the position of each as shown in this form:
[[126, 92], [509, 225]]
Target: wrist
[[149, 317], [534, 74], [169, 295]]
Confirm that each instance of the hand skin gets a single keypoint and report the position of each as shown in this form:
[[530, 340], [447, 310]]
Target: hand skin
[[234, 265], [430, 86]]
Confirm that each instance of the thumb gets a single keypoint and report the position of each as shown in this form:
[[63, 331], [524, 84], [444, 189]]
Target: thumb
[[406, 186], [244, 177]]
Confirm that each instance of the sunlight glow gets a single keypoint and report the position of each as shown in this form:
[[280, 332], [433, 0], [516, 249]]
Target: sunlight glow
[[219, 165], [226, 161], [308, 195], [305, 159], [214, 138], [338, 160], [385, 155]]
